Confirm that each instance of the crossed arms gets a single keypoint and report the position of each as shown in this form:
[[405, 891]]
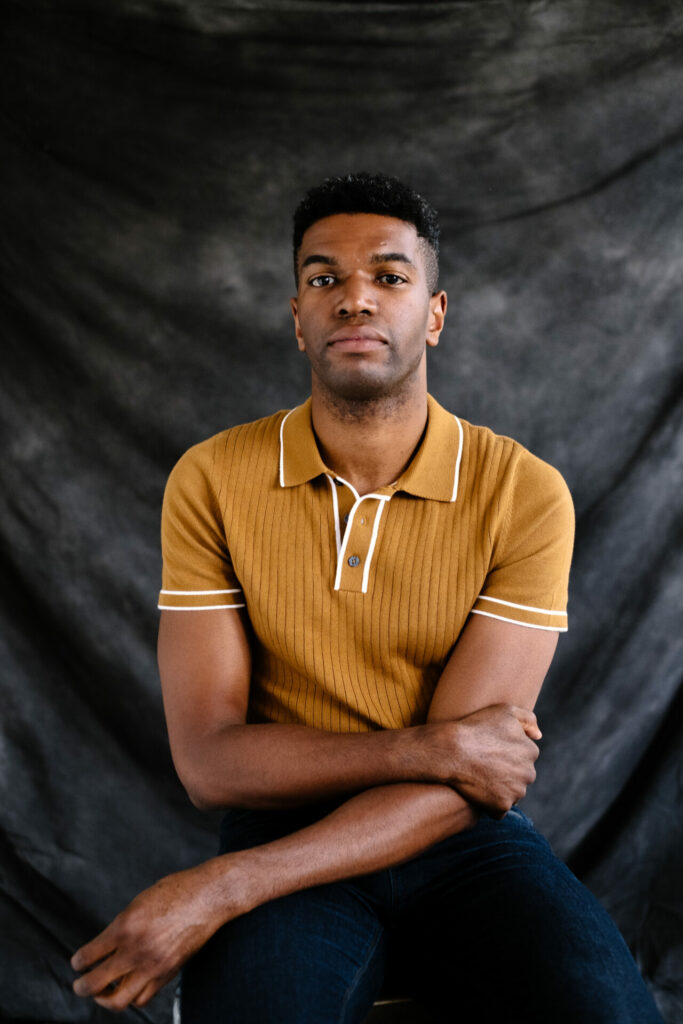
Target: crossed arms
[[402, 790]]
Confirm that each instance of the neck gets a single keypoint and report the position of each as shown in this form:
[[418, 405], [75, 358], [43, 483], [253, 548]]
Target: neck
[[369, 442]]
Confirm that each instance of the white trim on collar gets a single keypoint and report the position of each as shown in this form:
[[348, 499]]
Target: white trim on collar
[[282, 447], [456, 481]]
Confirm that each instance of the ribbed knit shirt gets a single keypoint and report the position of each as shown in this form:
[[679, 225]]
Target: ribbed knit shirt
[[356, 601]]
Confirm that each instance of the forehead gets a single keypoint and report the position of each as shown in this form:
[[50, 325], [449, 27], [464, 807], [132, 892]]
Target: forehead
[[359, 236]]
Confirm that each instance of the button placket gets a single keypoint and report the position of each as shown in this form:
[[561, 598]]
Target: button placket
[[359, 543], [355, 548], [356, 539]]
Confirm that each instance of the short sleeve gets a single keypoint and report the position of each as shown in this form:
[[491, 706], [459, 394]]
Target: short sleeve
[[529, 573], [197, 570]]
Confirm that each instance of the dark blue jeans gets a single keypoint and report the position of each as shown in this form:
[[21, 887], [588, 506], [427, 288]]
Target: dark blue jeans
[[487, 922]]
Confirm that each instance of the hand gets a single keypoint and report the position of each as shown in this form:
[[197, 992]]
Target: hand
[[495, 756], [146, 944]]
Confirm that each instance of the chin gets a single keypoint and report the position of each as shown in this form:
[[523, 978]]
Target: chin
[[362, 393], [357, 398], [358, 388]]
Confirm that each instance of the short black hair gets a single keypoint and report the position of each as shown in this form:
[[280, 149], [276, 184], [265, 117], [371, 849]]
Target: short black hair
[[370, 193]]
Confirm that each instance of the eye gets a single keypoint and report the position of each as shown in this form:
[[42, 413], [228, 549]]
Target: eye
[[392, 279], [321, 280]]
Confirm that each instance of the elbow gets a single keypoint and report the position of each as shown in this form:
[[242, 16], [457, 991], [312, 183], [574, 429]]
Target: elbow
[[201, 798], [206, 798], [215, 794], [204, 803], [218, 795], [204, 792], [206, 778]]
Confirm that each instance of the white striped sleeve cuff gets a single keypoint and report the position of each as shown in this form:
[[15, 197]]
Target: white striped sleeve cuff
[[521, 614], [200, 600]]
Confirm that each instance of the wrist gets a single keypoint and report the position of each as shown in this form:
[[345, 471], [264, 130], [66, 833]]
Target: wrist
[[229, 888], [441, 754], [427, 752]]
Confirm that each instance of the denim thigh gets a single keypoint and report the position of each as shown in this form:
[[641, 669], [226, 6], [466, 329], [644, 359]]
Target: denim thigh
[[491, 918]]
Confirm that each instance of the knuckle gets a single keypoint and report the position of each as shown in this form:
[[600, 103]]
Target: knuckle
[[157, 962], [125, 928], [132, 928]]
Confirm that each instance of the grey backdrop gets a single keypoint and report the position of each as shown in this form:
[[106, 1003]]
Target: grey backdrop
[[152, 152]]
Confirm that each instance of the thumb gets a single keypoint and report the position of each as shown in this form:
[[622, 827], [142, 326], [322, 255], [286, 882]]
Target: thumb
[[528, 721]]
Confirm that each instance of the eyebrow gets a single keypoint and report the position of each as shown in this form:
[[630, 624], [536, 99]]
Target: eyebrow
[[391, 257], [315, 257], [378, 257]]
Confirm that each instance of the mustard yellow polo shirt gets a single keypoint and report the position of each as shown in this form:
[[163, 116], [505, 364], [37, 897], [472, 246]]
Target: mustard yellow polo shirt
[[357, 600]]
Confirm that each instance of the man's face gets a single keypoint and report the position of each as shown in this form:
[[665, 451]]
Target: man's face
[[363, 313]]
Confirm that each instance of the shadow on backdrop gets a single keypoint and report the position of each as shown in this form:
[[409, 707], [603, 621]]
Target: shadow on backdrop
[[153, 152]]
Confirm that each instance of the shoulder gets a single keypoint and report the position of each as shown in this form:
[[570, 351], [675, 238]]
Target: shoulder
[[232, 450], [507, 467], [529, 517]]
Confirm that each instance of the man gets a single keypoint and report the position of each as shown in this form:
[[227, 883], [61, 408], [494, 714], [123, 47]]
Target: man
[[361, 599]]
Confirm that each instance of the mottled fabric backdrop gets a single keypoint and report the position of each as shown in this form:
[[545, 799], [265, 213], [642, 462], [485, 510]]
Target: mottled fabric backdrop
[[152, 152]]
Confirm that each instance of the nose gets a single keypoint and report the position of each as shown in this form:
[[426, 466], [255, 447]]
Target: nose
[[355, 297]]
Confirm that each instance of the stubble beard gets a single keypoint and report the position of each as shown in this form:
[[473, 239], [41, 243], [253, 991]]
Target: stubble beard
[[364, 397]]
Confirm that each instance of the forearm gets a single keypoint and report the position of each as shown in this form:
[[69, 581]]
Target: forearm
[[378, 828], [271, 766], [145, 945], [381, 826]]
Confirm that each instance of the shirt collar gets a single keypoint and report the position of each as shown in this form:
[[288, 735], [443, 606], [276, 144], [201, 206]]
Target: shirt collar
[[433, 472], [300, 459]]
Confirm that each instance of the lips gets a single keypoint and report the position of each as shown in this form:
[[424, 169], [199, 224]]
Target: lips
[[357, 339]]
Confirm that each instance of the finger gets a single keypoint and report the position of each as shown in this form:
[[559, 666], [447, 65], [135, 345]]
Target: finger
[[497, 813], [94, 951], [109, 972], [528, 720], [150, 990], [524, 715], [125, 993]]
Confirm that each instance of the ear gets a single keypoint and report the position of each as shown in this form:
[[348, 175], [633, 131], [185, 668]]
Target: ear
[[297, 326], [437, 314]]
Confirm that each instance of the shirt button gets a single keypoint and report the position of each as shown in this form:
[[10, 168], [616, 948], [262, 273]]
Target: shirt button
[[346, 518], [354, 560], [362, 520]]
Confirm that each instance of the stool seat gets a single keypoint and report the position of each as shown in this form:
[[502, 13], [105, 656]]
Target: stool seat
[[398, 1011], [384, 1011]]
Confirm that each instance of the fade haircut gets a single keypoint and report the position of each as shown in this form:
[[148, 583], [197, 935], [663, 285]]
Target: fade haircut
[[370, 193]]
